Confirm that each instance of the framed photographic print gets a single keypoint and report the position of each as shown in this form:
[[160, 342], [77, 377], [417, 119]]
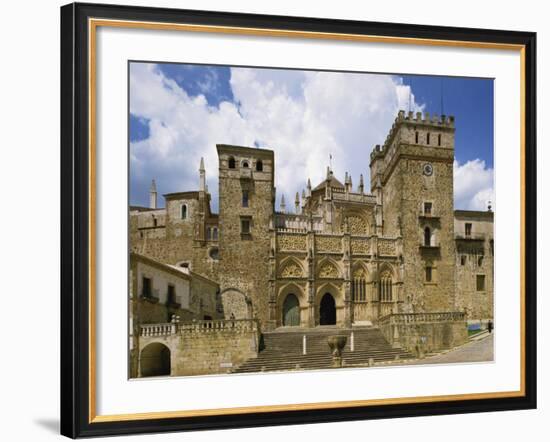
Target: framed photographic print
[[274, 220]]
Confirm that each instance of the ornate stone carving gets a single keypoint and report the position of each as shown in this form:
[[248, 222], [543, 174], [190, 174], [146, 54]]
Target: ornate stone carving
[[360, 246], [357, 225], [328, 244], [386, 247], [359, 273], [291, 242], [328, 270], [292, 270]]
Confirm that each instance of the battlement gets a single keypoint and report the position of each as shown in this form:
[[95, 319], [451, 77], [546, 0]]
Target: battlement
[[421, 121]]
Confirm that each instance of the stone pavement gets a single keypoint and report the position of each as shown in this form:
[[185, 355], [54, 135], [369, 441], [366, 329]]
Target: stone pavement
[[474, 351]]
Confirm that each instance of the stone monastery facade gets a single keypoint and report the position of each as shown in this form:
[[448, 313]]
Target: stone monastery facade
[[338, 254]]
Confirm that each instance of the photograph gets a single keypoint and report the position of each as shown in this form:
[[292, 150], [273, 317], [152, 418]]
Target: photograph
[[298, 219]]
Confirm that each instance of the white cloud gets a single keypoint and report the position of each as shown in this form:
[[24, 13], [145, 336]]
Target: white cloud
[[473, 185], [302, 116]]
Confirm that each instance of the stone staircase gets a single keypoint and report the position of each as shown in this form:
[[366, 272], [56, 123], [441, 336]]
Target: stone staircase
[[282, 349]]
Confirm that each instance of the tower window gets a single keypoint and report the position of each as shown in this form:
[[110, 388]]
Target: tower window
[[428, 138], [427, 237], [429, 274], [215, 233], [184, 211], [480, 283], [259, 165], [154, 222], [427, 209], [209, 233], [468, 229], [231, 163], [416, 137], [463, 260], [439, 139], [245, 225], [245, 198]]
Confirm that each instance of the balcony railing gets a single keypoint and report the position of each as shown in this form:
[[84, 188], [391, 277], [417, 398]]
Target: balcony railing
[[470, 237]]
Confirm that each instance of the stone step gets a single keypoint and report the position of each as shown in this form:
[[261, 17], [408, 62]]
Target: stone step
[[282, 350]]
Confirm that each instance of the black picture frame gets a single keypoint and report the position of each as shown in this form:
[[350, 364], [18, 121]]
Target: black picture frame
[[76, 420]]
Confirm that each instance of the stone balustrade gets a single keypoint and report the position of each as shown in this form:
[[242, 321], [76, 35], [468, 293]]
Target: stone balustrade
[[152, 330], [202, 326], [412, 318], [219, 326]]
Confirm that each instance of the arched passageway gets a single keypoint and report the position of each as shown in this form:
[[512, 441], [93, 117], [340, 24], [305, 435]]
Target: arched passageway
[[155, 360]]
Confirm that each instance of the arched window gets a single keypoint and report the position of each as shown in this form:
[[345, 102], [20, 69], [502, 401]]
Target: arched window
[[231, 163], [359, 286], [427, 237], [209, 233], [386, 285], [428, 138], [215, 233], [439, 139], [416, 137], [259, 165], [184, 211], [245, 164]]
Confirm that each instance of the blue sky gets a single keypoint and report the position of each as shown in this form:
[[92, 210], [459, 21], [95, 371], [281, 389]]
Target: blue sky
[[179, 112]]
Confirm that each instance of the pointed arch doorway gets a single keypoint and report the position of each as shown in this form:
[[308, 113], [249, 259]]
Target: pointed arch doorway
[[291, 311], [327, 310]]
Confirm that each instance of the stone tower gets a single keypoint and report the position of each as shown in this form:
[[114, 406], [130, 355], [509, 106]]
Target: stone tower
[[247, 198], [412, 179]]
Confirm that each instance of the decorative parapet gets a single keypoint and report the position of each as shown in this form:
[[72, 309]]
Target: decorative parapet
[[360, 246], [292, 242], [332, 244], [386, 247]]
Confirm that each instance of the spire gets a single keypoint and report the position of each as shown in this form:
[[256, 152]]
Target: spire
[[297, 203], [202, 176], [308, 187], [361, 187], [328, 173], [350, 183], [153, 195], [282, 206]]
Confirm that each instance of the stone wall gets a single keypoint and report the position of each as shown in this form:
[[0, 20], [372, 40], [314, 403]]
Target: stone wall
[[202, 347], [425, 333]]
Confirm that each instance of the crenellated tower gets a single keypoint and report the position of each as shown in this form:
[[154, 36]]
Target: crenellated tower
[[412, 179]]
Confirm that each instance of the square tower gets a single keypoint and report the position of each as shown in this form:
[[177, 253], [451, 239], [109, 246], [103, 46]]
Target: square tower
[[247, 197], [412, 176]]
